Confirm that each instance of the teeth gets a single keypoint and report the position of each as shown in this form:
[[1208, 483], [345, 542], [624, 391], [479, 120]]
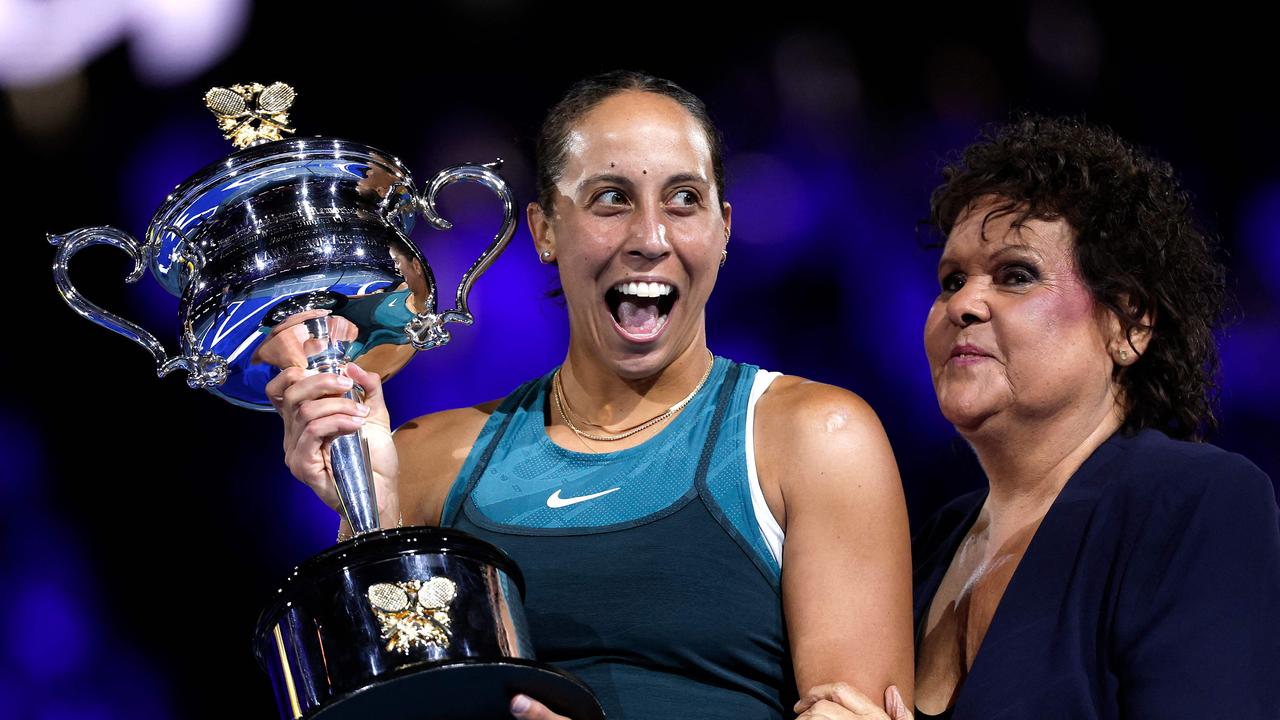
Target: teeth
[[644, 289]]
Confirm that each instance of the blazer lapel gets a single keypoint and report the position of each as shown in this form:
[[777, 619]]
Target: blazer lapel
[[1028, 617]]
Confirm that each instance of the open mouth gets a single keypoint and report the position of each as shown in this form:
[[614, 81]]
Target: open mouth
[[641, 309]]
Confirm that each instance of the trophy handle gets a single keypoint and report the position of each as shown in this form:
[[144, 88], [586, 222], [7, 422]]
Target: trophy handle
[[203, 371], [427, 330]]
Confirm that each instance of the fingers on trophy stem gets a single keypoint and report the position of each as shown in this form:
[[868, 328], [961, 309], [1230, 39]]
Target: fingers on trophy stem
[[281, 383], [370, 382]]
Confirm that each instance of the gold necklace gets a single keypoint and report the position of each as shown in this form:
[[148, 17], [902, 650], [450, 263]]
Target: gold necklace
[[562, 406]]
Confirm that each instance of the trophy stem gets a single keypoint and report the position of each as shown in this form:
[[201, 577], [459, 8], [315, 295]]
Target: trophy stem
[[348, 454]]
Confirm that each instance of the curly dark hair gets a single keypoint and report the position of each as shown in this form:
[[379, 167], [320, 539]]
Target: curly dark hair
[[584, 95], [1138, 248]]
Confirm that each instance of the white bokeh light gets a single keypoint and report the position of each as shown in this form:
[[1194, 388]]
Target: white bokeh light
[[174, 40], [170, 41]]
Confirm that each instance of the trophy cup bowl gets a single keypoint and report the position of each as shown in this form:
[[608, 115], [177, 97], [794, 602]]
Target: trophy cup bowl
[[282, 228], [297, 252]]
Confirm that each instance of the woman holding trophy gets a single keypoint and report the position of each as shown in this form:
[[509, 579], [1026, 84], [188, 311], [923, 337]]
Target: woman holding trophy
[[645, 486]]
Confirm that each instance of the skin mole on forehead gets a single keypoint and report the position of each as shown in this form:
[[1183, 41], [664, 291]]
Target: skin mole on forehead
[[613, 164]]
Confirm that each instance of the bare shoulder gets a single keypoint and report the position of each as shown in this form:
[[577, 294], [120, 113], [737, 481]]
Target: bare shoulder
[[810, 432], [432, 449], [801, 410], [433, 429]]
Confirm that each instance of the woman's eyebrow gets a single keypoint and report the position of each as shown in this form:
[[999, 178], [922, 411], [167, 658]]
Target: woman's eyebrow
[[608, 178], [687, 177], [1018, 249]]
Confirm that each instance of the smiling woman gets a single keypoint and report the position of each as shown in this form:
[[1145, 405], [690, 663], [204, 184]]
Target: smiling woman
[[699, 537], [635, 219], [1048, 343], [1114, 567]]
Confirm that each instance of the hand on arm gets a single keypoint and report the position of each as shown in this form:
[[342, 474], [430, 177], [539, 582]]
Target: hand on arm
[[838, 701]]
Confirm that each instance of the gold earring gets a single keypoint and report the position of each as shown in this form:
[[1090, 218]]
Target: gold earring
[[724, 255], [1124, 355]]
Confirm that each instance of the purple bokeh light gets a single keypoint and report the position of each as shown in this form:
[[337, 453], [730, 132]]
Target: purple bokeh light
[[48, 629]]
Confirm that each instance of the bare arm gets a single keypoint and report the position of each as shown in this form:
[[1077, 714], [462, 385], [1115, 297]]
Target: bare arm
[[846, 577], [413, 468], [432, 449]]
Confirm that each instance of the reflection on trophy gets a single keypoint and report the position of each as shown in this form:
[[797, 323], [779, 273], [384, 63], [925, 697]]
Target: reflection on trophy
[[296, 252]]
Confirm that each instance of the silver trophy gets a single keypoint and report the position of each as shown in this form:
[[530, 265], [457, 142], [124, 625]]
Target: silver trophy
[[296, 252]]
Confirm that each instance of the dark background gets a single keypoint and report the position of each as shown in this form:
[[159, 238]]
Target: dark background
[[144, 525]]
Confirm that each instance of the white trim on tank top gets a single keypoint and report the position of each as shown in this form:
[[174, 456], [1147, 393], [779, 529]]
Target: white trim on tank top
[[768, 524]]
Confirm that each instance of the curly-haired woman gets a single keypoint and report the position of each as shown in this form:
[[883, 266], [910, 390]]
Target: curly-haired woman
[[1115, 567]]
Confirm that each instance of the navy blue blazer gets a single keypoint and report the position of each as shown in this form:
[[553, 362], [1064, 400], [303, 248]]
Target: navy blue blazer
[[1150, 590]]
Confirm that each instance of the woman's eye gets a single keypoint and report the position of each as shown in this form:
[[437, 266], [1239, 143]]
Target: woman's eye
[[611, 197], [1017, 275], [951, 283], [684, 198]]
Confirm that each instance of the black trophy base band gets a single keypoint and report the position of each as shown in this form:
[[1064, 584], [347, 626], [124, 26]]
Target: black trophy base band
[[334, 650], [464, 690]]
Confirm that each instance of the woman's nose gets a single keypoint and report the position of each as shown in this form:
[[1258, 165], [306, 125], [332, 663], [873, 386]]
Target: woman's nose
[[648, 235], [968, 305]]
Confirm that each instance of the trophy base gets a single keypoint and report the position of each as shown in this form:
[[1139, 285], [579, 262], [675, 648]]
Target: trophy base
[[418, 623], [464, 690]]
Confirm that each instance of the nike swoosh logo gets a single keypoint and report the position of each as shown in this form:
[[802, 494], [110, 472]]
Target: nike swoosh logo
[[392, 303], [555, 501]]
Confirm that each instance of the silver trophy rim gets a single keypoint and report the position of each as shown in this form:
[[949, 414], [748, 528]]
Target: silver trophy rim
[[252, 159]]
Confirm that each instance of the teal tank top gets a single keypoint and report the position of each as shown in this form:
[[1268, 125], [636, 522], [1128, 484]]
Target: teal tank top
[[647, 575]]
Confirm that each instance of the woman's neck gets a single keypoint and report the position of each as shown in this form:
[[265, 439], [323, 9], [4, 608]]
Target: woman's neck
[[600, 396], [1027, 463]]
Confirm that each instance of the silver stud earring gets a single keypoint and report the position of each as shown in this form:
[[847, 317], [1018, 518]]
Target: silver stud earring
[[546, 256]]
